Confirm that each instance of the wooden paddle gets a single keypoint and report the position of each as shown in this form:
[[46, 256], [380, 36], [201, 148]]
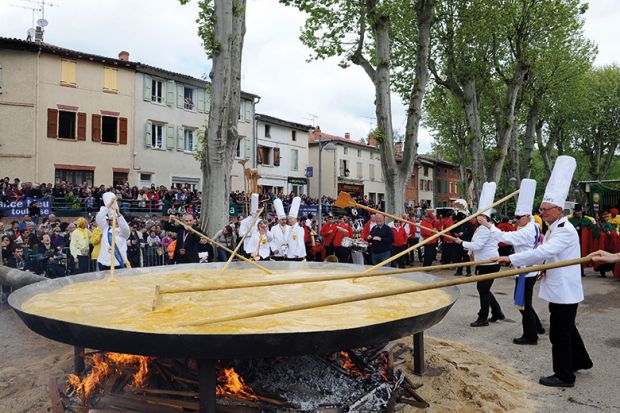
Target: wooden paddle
[[345, 200], [114, 207], [271, 283], [252, 262], [383, 294], [442, 232]]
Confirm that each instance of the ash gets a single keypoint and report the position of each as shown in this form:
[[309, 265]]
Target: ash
[[311, 382]]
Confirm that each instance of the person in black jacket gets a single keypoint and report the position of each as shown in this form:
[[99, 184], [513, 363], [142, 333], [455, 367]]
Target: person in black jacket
[[187, 247], [380, 239], [133, 246], [465, 232]]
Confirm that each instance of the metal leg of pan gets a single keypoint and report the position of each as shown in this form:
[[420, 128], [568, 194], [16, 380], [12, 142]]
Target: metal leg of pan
[[418, 353], [206, 374], [78, 360]]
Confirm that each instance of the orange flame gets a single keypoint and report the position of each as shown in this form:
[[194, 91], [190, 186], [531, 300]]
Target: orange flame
[[104, 364], [348, 364], [233, 385]]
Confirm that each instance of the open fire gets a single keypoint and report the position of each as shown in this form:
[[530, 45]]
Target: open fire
[[355, 380]]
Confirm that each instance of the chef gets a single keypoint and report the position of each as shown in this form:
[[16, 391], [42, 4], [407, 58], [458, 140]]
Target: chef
[[104, 220], [296, 243], [280, 233], [244, 226], [561, 287]]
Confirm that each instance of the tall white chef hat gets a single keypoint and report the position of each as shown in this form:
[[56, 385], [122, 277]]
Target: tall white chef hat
[[294, 207], [108, 198], [253, 203], [560, 180], [527, 193], [486, 197], [277, 204]]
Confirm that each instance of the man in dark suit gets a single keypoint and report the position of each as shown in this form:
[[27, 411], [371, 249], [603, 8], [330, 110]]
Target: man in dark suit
[[186, 250]]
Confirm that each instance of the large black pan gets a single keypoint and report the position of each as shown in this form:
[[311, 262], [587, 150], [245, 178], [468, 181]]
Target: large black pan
[[221, 346]]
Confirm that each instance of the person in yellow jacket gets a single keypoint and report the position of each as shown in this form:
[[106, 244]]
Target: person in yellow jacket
[[80, 245], [95, 241]]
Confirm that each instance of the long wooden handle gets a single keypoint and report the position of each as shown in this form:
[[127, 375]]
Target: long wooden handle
[[260, 211], [442, 232], [338, 277], [113, 243], [397, 218], [385, 293], [189, 228]]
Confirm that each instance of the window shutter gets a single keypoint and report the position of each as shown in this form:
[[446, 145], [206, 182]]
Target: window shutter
[[248, 147], [170, 137], [180, 134], [260, 154], [122, 126], [342, 168], [248, 110], [81, 126], [180, 97], [276, 156], [170, 90], [148, 137], [200, 104], [148, 84], [52, 123], [96, 127]]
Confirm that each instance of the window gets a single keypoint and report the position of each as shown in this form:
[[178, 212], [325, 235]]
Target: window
[[359, 169], [66, 124], [294, 160], [67, 72], [188, 96], [109, 129], [110, 79], [371, 172], [157, 136], [425, 170], [372, 197], [264, 155], [238, 150], [346, 150], [245, 110], [188, 140], [294, 135], [372, 155], [344, 168], [359, 153], [146, 180], [268, 131], [74, 177], [157, 91], [119, 178]]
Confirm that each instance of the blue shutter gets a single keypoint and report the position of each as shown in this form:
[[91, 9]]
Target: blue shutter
[[148, 138], [180, 136], [200, 100]]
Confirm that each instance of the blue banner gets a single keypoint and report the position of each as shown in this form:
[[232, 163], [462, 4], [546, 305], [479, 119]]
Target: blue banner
[[18, 209], [304, 210]]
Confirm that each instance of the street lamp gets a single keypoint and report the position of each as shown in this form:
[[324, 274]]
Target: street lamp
[[328, 146]]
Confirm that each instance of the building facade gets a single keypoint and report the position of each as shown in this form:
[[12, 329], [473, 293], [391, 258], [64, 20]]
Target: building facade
[[171, 113], [282, 155], [447, 181], [65, 115], [352, 167]]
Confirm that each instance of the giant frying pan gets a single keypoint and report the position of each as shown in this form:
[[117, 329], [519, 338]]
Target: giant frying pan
[[222, 346]]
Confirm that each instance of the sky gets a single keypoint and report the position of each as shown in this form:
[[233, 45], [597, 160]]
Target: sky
[[163, 33]]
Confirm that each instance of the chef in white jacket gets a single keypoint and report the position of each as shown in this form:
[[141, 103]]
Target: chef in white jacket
[[296, 246], [525, 238], [561, 287], [280, 233], [104, 219], [259, 242], [244, 226], [483, 246]]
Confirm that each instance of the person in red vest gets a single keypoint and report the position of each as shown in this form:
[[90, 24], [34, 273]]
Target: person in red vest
[[505, 226], [430, 249], [342, 230], [400, 242], [328, 233]]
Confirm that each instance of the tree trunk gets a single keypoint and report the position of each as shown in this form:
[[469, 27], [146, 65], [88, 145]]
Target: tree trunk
[[17, 279], [471, 106], [514, 154], [530, 138], [221, 133]]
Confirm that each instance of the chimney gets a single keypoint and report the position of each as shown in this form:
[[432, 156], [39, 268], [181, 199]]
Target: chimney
[[347, 135], [372, 141], [38, 34], [123, 56]]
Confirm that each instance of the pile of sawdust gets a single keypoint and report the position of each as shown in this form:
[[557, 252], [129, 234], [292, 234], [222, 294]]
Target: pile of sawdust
[[469, 380]]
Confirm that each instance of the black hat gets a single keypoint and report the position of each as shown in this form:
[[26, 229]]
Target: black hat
[[578, 208]]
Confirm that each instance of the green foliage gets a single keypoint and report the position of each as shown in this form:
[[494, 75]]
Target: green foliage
[[206, 24]]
